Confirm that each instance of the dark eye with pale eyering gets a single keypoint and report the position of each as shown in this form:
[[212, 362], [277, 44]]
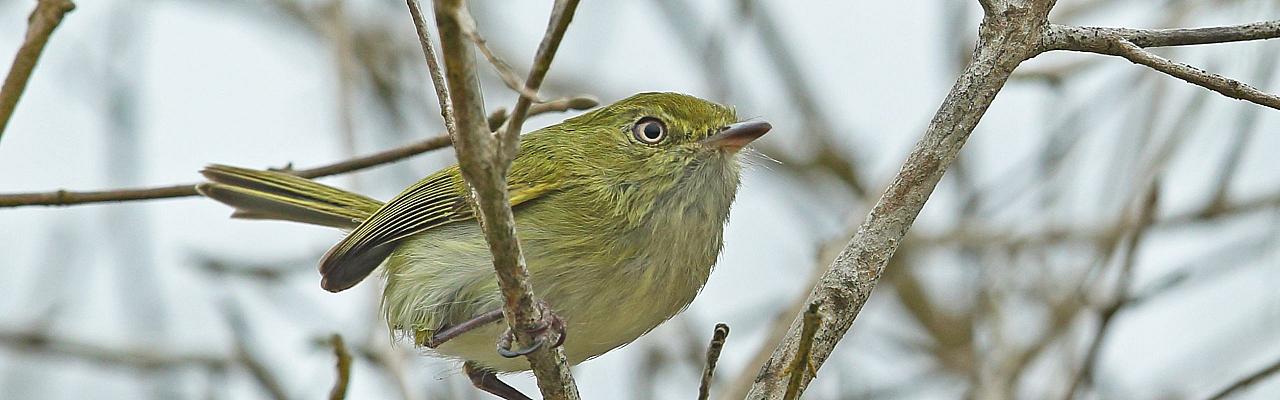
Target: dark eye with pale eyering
[[649, 130]]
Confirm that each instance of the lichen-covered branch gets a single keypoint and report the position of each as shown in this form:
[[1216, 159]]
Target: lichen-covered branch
[[484, 164], [43, 20]]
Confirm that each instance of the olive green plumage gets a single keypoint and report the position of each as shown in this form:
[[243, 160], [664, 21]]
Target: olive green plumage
[[620, 212]]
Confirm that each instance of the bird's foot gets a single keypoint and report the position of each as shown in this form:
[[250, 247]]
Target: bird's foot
[[550, 329]]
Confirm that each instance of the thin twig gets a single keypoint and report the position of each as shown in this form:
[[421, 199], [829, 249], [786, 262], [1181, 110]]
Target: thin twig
[[561, 15], [343, 365], [1247, 381], [1128, 43], [800, 362], [433, 67], [1195, 76], [713, 356], [246, 353], [40, 25], [484, 160], [65, 197], [1082, 38], [504, 70], [143, 358], [1120, 299]]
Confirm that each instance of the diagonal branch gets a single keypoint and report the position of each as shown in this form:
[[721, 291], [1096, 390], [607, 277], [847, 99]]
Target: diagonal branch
[[43, 20], [1195, 76], [433, 66], [1128, 43], [561, 15], [1008, 35], [485, 160], [1264, 373]]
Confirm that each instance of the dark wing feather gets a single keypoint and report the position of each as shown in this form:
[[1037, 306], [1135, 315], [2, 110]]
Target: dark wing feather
[[431, 202]]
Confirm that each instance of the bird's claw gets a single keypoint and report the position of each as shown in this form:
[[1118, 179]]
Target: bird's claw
[[551, 324]]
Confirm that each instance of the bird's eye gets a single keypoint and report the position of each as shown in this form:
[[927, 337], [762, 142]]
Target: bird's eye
[[649, 130]]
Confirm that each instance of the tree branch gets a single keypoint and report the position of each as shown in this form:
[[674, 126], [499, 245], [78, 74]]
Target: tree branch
[[485, 159], [343, 366], [1007, 37], [63, 197], [140, 357], [40, 25], [1085, 38], [433, 67], [1128, 43]]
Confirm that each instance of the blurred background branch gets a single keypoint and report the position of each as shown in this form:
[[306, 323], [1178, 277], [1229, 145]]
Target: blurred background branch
[[997, 292]]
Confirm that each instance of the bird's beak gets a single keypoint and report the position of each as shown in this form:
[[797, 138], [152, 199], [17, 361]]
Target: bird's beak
[[736, 136]]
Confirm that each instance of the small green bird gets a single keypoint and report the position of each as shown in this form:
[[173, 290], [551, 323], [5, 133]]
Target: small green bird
[[620, 212]]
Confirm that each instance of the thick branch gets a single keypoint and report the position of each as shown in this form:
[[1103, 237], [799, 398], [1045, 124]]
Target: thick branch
[[484, 165], [1007, 38], [40, 25]]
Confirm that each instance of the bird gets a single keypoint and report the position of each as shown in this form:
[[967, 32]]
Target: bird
[[620, 212]]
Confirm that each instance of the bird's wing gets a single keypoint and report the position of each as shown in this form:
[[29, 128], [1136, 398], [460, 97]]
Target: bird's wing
[[432, 202]]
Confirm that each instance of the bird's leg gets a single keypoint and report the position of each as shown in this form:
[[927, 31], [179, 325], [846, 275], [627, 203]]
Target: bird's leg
[[485, 380], [451, 332], [551, 325]]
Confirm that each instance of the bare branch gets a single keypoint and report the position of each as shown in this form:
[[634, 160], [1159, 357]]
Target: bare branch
[[713, 355], [1006, 38], [141, 357], [485, 159], [1146, 216], [1088, 38], [1128, 43], [504, 70], [343, 365], [1225, 86], [40, 25], [561, 15], [433, 67], [65, 197], [245, 352]]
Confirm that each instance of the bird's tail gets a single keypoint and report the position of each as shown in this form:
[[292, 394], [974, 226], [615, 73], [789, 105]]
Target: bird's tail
[[258, 194]]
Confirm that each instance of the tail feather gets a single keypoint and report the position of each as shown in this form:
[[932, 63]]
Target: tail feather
[[258, 194]]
